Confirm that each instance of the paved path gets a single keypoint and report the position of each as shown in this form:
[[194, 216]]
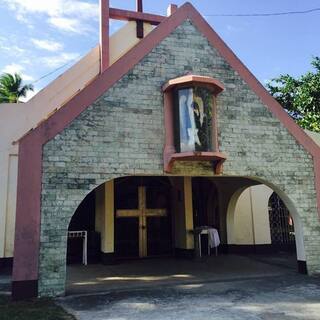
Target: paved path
[[142, 273], [267, 298]]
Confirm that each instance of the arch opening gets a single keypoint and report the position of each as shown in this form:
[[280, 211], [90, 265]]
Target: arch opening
[[275, 225], [136, 217]]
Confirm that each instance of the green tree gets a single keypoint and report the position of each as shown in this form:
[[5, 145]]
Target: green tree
[[12, 89], [300, 97]]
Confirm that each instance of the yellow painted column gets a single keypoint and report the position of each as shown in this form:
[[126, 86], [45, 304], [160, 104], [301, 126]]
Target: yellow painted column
[[108, 245], [188, 205], [105, 216]]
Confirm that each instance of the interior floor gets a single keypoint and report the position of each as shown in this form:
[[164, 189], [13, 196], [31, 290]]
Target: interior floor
[[136, 274]]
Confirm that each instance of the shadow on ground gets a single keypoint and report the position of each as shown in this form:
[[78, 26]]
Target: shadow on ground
[[170, 271]]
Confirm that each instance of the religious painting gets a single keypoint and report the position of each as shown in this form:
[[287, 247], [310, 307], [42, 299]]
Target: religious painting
[[195, 119]]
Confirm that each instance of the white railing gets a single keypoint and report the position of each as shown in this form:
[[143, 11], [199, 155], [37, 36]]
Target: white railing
[[84, 236]]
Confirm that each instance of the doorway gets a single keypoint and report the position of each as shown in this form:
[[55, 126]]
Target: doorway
[[142, 217], [205, 203], [281, 225]]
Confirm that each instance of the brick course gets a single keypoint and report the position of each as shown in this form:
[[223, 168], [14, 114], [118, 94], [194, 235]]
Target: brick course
[[122, 133]]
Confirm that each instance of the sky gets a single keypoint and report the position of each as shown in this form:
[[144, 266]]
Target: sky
[[41, 37]]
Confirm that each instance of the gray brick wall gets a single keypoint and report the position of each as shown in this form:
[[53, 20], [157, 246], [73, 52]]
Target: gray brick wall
[[122, 134]]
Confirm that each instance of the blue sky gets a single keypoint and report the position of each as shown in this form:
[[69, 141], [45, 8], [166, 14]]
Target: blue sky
[[39, 36]]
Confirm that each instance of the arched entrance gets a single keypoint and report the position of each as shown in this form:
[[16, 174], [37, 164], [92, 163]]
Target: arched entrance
[[269, 205], [141, 217], [129, 217]]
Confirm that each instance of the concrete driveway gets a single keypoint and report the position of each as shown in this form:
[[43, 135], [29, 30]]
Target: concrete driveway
[[285, 296], [145, 273]]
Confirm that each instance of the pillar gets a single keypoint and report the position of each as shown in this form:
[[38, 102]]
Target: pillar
[[105, 220], [189, 238], [183, 217]]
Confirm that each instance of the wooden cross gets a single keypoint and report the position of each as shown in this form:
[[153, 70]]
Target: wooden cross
[[142, 213]]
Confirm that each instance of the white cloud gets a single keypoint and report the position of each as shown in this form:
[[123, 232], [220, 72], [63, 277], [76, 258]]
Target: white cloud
[[48, 45], [14, 50], [59, 60], [8, 45], [81, 9], [12, 68], [68, 24], [17, 68], [58, 12]]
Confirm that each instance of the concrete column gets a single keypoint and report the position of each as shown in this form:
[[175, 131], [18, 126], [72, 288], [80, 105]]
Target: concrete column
[[4, 160], [183, 216], [189, 238], [105, 219], [11, 205], [108, 245]]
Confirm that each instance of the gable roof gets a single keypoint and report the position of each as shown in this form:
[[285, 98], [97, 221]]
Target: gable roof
[[60, 119]]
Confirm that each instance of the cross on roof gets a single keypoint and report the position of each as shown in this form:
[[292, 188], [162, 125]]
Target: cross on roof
[[140, 32], [139, 16], [139, 5]]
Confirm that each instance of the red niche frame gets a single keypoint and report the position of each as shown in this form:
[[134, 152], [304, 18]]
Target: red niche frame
[[170, 156]]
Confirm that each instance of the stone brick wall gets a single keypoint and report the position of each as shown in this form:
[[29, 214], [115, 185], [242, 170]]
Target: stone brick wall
[[122, 133]]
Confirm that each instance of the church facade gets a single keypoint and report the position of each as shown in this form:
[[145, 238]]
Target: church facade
[[175, 123]]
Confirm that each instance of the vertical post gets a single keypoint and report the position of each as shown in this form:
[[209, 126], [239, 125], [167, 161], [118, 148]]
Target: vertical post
[[27, 232], [105, 220], [171, 9], [104, 35], [5, 176], [140, 33], [187, 181], [109, 217], [142, 223]]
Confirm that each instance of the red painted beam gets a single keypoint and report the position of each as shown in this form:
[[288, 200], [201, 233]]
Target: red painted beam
[[119, 14], [104, 35]]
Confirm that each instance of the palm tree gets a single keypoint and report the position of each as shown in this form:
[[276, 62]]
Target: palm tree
[[11, 88]]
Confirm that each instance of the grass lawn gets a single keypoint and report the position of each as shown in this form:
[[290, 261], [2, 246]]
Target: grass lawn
[[31, 310]]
